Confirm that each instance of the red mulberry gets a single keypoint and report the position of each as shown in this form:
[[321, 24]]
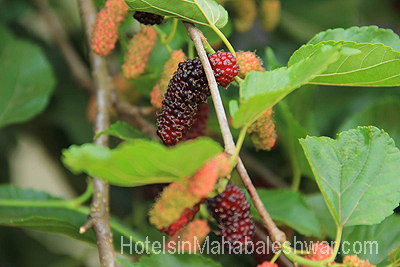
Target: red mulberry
[[187, 89], [148, 18], [247, 62], [224, 67], [319, 252], [231, 210]]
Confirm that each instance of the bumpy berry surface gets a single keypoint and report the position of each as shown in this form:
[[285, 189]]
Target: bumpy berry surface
[[247, 62], [187, 89], [224, 67], [262, 131], [105, 30], [190, 237], [200, 123], [157, 94], [148, 18], [185, 218], [138, 52], [232, 212], [319, 252], [267, 264], [354, 261]]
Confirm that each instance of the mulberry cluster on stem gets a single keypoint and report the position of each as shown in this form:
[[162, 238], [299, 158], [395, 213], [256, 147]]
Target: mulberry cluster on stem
[[262, 131], [148, 18], [319, 252], [187, 89], [138, 52], [355, 261], [231, 210], [224, 67], [157, 94], [105, 30]]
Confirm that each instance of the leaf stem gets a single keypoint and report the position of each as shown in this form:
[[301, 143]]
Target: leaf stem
[[296, 179], [276, 256], [336, 247], [224, 39], [85, 196], [290, 253], [239, 144], [172, 32], [163, 38], [190, 50]]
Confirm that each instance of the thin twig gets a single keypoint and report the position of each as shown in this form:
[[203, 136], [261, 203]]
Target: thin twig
[[134, 115], [196, 35], [79, 70], [100, 207]]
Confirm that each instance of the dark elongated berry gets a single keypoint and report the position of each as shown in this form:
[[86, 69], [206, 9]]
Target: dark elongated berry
[[224, 67], [187, 89], [231, 210], [148, 18], [200, 123]]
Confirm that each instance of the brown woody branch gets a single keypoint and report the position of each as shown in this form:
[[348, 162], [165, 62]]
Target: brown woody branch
[[197, 37], [99, 217], [58, 34]]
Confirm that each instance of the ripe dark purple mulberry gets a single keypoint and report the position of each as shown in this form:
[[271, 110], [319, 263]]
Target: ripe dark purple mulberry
[[187, 89], [224, 67], [148, 18], [200, 123], [231, 210]]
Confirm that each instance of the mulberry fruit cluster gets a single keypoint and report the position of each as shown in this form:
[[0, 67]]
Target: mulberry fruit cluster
[[224, 67], [270, 14], [319, 252], [180, 201], [246, 13], [105, 30], [231, 210], [157, 94], [354, 261], [268, 264], [148, 18], [200, 123], [187, 89], [138, 52], [262, 131], [247, 62], [190, 237]]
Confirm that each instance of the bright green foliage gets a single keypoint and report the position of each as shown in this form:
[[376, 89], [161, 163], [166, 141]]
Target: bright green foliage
[[203, 12], [291, 208], [261, 90], [289, 132], [42, 212], [123, 131], [23, 93], [140, 162], [367, 34], [168, 260], [375, 65], [357, 174], [386, 236], [316, 201]]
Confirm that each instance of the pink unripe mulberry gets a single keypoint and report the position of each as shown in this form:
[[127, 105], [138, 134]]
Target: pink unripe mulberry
[[157, 95], [247, 62], [105, 30], [262, 131], [138, 52]]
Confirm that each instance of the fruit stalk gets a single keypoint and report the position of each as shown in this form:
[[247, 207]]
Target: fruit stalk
[[197, 37]]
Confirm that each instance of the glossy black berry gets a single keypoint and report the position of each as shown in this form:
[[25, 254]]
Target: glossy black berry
[[148, 18]]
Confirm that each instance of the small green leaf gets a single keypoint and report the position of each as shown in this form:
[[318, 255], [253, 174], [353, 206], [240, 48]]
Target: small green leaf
[[366, 34], [123, 131], [377, 240], [291, 208], [26, 79], [140, 162], [261, 90], [171, 260], [357, 174], [203, 12], [373, 65]]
